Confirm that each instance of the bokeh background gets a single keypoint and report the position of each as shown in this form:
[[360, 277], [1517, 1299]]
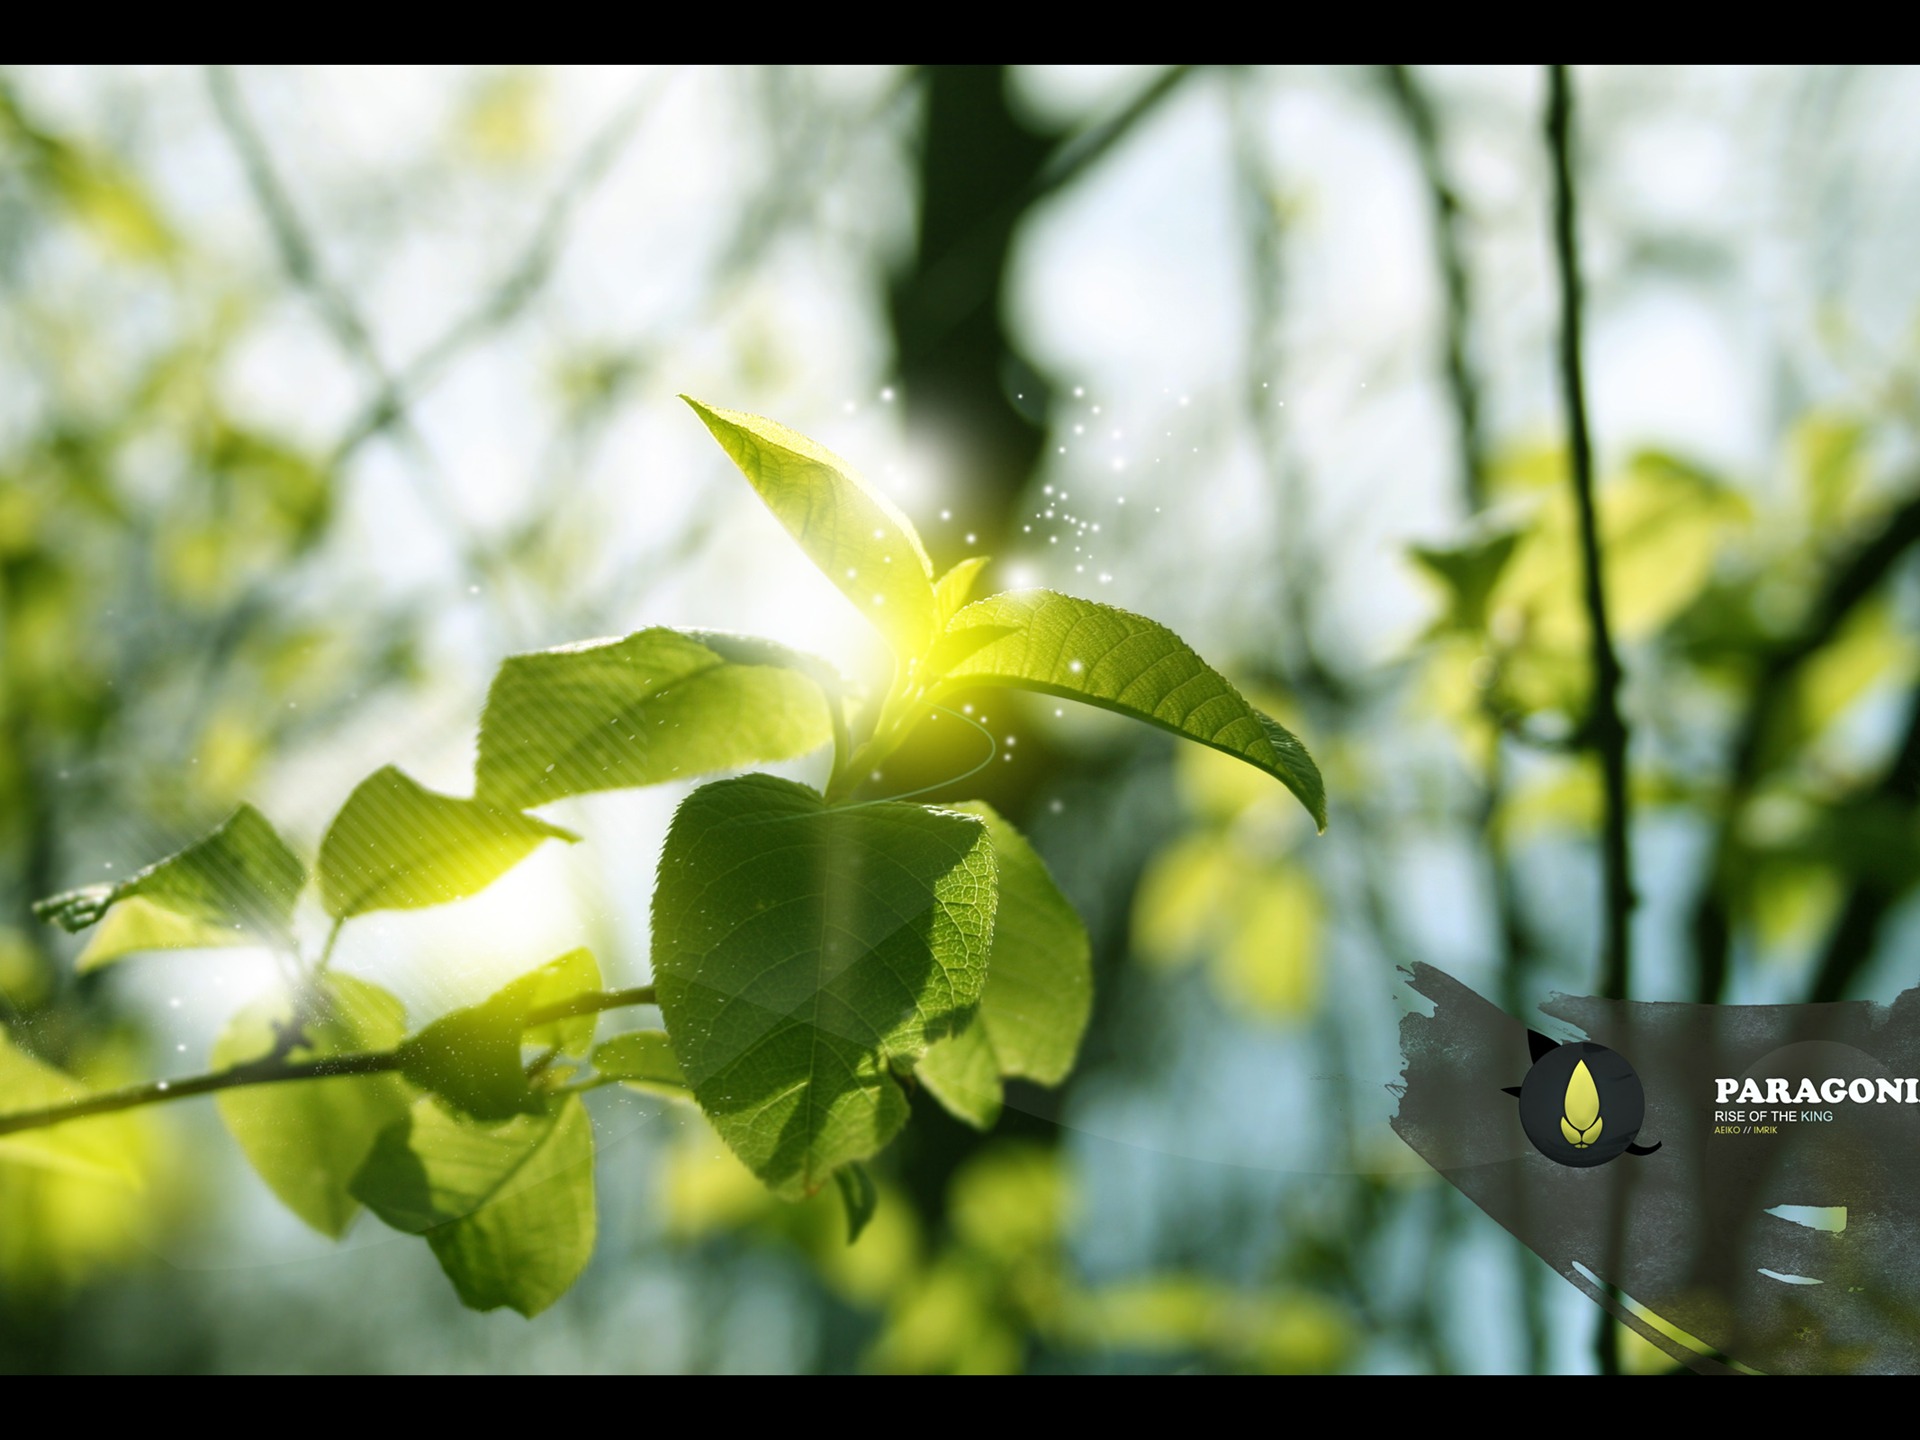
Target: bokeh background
[[321, 390]]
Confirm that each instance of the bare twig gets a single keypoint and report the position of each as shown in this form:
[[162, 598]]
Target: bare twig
[[1606, 730], [1416, 108], [274, 1069], [1855, 577], [1851, 943]]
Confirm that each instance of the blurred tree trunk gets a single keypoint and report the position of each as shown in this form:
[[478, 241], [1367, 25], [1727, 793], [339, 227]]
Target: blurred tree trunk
[[972, 399]]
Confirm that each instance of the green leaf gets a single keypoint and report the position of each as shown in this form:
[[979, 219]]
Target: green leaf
[[1468, 573], [801, 953], [1081, 650], [859, 1194], [574, 973], [434, 1166], [659, 705], [955, 588], [526, 1246], [86, 1149], [236, 886], [1039, 990], [308, 1140], [865, 546], [136, 925], [397, 846], [1038, 995], [472, 1057], [508, 1208], [963, 1074], [642, 1059]]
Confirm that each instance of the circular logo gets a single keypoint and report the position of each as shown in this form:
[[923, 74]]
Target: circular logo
[[1581, 1105]]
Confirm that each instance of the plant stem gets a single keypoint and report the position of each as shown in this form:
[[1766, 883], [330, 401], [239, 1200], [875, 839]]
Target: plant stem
[[1416, 108], [1852, 941], [1606, 731], [275, 1071], [326, 950]]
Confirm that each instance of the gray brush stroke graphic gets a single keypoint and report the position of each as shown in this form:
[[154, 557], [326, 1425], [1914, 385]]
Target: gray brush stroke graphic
[[1687, 1233]]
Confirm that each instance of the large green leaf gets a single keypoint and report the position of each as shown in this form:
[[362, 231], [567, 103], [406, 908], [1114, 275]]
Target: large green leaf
[[802, 953], [962, 1073], [526, 1246], [1039, 989], [398, 846], [235, 886], [1081, 650], [508, 1207], [308, 1140], [659, 705], [471, 1058], [853, 533]]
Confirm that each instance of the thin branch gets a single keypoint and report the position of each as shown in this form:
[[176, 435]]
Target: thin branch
[[519, 283], [1854, 578], [1851, 943], [1606, 730], [274, 1070], [1416, 108], [1070, 160], [299, 256], [1081, 152]]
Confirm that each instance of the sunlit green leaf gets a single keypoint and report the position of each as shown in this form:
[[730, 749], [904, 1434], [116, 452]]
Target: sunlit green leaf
[[853, 533], [801, 952], [472, 1057], [562, 978], [527, 1245], [1039, 989], [659, 705], [953, 589], [84, 1149], [1081, 650], [74, 1198], [507, 1207], [397, 846], [308, 1140], [236, 886], [962, 1073]]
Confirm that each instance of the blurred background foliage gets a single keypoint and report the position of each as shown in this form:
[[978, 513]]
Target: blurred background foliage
[[324, 389]]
